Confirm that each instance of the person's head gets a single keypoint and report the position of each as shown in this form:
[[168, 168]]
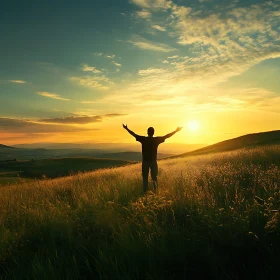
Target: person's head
[[151, 131]]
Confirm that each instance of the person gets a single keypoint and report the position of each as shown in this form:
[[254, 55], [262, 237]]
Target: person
[[149, 153]]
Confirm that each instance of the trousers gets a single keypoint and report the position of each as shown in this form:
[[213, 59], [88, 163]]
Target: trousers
[[146, 167]]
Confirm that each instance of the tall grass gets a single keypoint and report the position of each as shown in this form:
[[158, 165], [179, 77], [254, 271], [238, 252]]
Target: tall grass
[[214, 217]]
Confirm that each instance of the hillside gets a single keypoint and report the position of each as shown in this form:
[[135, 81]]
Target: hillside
[[5, 147], [245, 141]]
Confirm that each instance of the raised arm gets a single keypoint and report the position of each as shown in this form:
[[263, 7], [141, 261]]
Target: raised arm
[[172, 133], [129, 131]]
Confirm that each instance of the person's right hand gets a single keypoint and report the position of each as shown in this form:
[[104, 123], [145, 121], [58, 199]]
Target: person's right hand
[[124, 126], [179, 128]]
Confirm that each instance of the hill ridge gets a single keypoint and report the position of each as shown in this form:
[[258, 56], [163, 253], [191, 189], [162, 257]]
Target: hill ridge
[[244, 141], [6, 147]]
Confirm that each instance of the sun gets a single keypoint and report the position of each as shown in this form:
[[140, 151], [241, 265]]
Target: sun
[[193, 125]]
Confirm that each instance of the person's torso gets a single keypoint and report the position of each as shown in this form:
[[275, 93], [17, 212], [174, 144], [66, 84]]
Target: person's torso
[[149, 148]]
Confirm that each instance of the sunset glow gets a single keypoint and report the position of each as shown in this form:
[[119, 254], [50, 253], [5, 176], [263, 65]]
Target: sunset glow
[[193, 125], [73, 73]]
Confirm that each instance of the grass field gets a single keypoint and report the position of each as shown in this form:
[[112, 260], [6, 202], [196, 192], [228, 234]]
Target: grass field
[[215, 217], [9, 180]]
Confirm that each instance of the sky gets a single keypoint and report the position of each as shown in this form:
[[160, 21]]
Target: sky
[[74, 71]]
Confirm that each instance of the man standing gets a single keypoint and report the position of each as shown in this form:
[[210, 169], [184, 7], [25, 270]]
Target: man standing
[[149, 153]]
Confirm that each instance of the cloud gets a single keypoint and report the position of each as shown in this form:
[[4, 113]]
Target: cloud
[[173, 57], [51, 95], [73, 120], [17, 81], [109, 56], [151, 71], [79, 119], [144, 14], [117, 64], [92, 69], [158, 27], [98, 82], [239, 99], [32, 126], [228, 34], [88, 102], [145, 44], [152, 92], [153, 4], [223, 40], [61, 124], [113, 115], [99, 54]]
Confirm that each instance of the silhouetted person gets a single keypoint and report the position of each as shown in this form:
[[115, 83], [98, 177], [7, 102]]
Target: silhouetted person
[[149, 153]]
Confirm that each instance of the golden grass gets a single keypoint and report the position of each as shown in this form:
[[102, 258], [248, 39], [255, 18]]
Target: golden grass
[[204, 205]]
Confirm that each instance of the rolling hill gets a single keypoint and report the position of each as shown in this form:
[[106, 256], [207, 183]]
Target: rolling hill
[[5, 147], [42, 153], [245, 141]]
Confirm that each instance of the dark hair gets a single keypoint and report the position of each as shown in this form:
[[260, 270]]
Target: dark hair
[[151, 131]]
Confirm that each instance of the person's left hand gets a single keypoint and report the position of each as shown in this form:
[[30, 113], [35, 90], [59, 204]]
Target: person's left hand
[[179, 128], [124, 126]]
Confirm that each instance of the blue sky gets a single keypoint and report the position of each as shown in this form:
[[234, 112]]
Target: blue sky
[[75, 70]]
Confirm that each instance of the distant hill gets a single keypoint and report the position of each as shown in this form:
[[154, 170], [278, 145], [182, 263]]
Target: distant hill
[[133, 146], [249, 140], [137, 156], [5, 147], [53, 168]]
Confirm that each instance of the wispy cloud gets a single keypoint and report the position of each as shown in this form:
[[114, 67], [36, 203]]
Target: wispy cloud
[[254, 99], [109, 56], [151, 71], [88, 102], [143, 14], [158, 27], [51, 95], [152, 4], [92, 69], [96, 71], [62, 124], [80, 119], [117, 64], [17, 81], [34, 126], [145, 44], [224, 40], [230, 41], [98, 82]]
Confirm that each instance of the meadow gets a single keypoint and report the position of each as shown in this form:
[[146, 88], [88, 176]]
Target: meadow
[[215, 216]]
